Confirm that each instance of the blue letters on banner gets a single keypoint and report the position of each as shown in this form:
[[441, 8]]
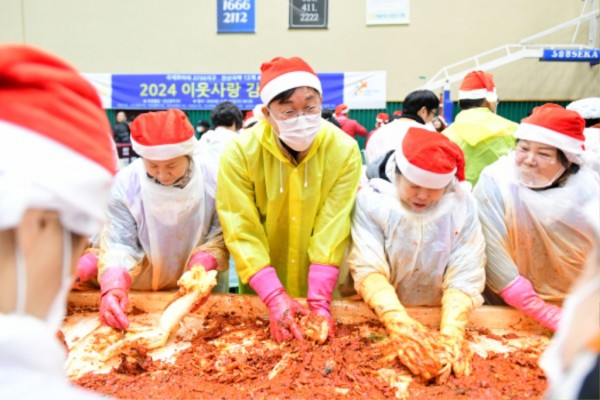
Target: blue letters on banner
[[591, 55], [203, 91], [236, 16]]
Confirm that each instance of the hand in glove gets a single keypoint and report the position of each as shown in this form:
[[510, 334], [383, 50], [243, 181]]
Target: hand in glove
[[321, 282], [416, 345], [87, 267], [456, 355], [209, 263], [520, 295], [114, 286], [282, 308]]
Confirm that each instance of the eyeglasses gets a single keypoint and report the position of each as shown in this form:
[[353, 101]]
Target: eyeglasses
[[290, 116]]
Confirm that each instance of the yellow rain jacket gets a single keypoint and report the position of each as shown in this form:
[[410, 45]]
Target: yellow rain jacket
[[276, 213], [483, 136]]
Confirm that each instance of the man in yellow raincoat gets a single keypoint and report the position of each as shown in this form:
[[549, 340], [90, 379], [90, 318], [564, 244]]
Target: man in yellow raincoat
[[482, 135], [285, 191]]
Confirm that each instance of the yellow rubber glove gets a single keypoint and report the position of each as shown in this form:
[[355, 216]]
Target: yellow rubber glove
[[416, 345], [456, 309]]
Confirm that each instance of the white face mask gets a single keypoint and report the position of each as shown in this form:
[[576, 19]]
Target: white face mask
[[534, 180], [301, 133], [58, 309]]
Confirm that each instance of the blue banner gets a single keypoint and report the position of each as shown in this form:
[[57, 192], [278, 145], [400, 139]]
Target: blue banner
[[333, 89], [448, 107], [236, 16], [203, 91], [184, 91], [591, 55]]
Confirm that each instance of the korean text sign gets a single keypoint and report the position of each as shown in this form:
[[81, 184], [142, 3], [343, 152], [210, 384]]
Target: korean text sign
[[202, 91], [184, 91], [236, 16]]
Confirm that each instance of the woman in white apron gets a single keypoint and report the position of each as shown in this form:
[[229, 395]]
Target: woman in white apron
[[161, 217], [417, 241], [530, 206]]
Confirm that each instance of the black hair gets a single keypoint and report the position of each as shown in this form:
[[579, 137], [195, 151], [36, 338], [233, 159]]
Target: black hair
[[226, 114], [589, 122], [418, 99], [466, 104], [251, 124], [283, 96], [570, 169], [327, 115], [204, 123]]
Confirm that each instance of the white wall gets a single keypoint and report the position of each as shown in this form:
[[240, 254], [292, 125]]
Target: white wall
[[179, 36]]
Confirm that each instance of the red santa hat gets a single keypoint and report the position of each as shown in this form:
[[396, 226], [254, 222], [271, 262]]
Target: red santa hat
[[163, 135], [56, 150], [478, 85], [341, 109], [254, 115], [281, 74], [553, 125], [382, 117], [429, 159]]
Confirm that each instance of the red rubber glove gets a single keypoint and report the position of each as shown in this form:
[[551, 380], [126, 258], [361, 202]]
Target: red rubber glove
[[114, 286], [520, 295], [321, 282], [87, 267], [282, 308], [209, 262]]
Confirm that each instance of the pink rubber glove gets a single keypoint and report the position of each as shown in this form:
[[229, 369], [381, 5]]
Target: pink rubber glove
[[202, 257], [282, 308], [87, 267], [520, 295], [209, 263], [114, 285], [321, 282]]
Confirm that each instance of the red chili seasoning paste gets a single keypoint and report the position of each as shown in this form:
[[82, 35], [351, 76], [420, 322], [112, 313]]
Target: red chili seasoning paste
[[235, 358]]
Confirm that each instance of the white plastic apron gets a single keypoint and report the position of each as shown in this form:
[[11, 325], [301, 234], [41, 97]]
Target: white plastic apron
[[548, 234], [175, 223]]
